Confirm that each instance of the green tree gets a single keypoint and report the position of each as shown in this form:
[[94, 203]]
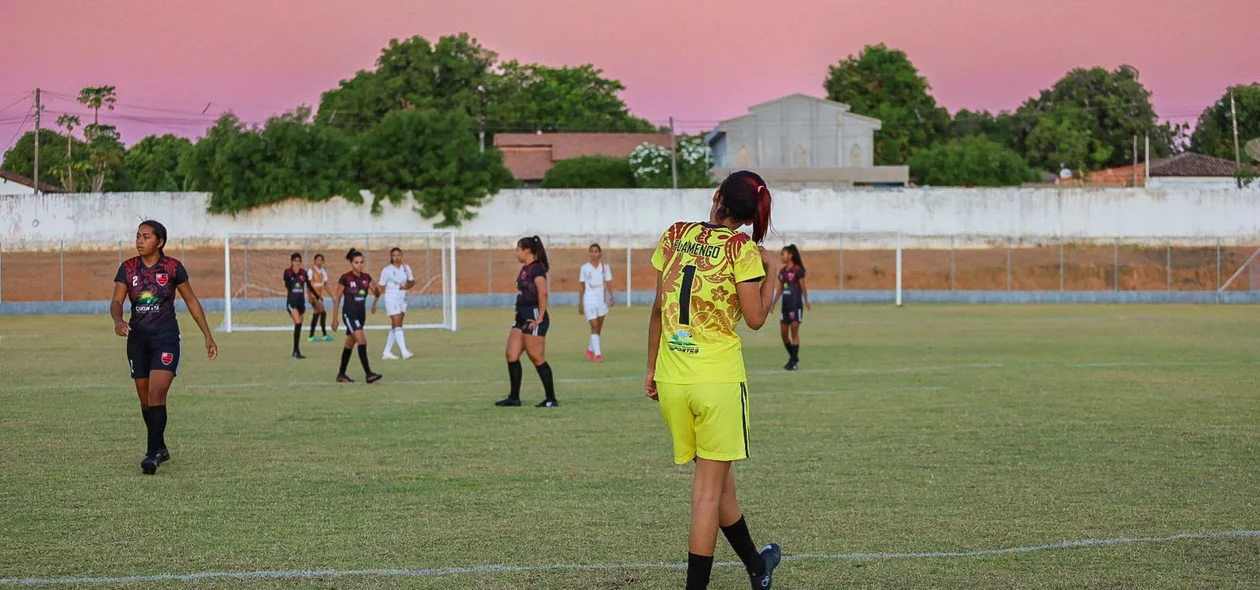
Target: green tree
[[1062, 139], [152, 164], [652, 166], [96, 98], [434, 156], [590, 172], [971, 161], [450, 75], [1110, 107], [105, 152], [529, 97], [882, 83], [68, 122], [1214, 133], [20, 159]]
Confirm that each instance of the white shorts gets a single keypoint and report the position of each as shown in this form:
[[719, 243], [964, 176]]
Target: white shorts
[[395, 303], [594, 309]]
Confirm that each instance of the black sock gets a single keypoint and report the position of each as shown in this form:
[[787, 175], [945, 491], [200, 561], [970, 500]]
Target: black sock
[[345, 360], [788, 346], [549, 386], [157, 429], [297, 336], [741, 541], [698, 569], [796, 353], [514, 377], [314, 321], [367, 369], [323, 327]]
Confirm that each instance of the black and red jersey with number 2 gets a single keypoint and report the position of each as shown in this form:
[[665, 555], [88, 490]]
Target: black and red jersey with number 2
[[151, 290]]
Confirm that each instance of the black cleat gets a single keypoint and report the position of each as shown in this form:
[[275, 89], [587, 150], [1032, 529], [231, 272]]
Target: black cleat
[[791, 366], [163, 456], [373, 377], [343, 378], [772, 555], [508, 403], [149, 464], [548, 403], [298, 355]]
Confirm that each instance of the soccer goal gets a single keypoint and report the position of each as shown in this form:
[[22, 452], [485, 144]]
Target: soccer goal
[[254, 264]]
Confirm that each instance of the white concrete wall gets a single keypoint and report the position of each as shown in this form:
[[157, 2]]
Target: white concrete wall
[[1191, 182], [8, 187], [571, 217]]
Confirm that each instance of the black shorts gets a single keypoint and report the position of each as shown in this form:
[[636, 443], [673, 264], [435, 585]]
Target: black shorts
[[526, 314], [297, 304], [158, 352], [353, 321], [792, 315]]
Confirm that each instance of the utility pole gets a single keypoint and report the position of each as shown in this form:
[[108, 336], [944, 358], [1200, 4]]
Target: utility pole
[[1146, 175], [673, 152], [1234, 115], [1135, 161], [38, 107]]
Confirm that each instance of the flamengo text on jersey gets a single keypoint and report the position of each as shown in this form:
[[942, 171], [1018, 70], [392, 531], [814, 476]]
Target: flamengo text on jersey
[[698, 249]]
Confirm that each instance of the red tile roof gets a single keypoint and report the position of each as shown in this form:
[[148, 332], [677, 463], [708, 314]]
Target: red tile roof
[[530, 155]]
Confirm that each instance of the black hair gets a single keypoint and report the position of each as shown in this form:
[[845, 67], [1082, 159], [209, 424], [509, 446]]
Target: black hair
[[295, 256], [744, 197], [159, 231], [395, 249], [352, 254], [795, 253], [534, 244], [596, 246], [317, 256]]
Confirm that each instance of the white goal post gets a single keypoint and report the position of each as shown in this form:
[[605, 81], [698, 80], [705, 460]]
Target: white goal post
[[254, 262]]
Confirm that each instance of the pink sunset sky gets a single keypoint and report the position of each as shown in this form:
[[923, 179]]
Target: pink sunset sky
[[696, 60]]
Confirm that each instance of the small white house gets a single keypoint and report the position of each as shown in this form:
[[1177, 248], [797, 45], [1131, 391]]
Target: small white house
[[1192, 171], [16, 184], [805, 141]]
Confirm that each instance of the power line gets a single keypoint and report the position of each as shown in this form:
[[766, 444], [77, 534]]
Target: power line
[[29, 110], [25, 96]]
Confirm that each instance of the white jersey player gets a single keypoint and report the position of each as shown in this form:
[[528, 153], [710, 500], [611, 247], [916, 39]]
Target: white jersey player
[[594, 296], [396, 278]]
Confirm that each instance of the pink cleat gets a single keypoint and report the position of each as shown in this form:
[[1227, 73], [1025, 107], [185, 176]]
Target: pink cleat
[[590, 355], [599, 358]]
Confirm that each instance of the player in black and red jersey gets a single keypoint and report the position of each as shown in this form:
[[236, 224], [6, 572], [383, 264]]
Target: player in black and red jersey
[[529, 330], [795, 296], [150, 282], [297, 285], [355, 286]]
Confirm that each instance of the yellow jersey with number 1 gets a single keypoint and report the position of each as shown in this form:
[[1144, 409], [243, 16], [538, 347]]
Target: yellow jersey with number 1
[[700, 264]]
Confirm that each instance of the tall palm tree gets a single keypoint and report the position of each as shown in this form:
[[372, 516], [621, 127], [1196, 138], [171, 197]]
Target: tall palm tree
[[69, 122], [96, 97]]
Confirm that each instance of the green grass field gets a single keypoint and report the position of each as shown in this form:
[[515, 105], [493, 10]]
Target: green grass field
[[924, 429]]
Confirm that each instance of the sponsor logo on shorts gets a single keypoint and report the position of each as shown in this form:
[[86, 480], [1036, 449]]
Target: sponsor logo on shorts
[[681, 341], [168, 358], [162, 279]]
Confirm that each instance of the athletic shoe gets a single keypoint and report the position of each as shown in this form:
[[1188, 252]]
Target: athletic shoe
[[599, 358], [791, 366], [388, 356], [590, 355], [298, 355], [548, 403], [163, 456], [312, 339], [328, 338], [149, 464], [343, 378], [407, 355], [374, 377], [772, 555], [508, 403]]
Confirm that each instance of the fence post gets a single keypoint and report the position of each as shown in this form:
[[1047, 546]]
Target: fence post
[[1115, 268], [1, 271], [1062, 269], [1168, 266], [1218, 267], [428, 260], [1008, 264], [63, 271], [245, 268], [841, 262], [489, 265], [898, 269], [953, 269], [629, 274]]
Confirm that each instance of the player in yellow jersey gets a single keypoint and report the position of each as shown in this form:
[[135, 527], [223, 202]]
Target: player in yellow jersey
[[709, 277]]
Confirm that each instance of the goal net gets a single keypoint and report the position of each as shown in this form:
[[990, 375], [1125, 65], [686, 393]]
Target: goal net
[[254, 264]]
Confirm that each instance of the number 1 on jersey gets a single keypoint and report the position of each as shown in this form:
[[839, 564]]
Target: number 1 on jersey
[[684, 295]]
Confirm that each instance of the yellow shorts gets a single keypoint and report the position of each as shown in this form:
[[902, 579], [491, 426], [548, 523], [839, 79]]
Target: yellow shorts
[[706, 420]]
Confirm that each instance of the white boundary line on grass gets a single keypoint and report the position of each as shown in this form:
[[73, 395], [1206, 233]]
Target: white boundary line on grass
[[500, 569]]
